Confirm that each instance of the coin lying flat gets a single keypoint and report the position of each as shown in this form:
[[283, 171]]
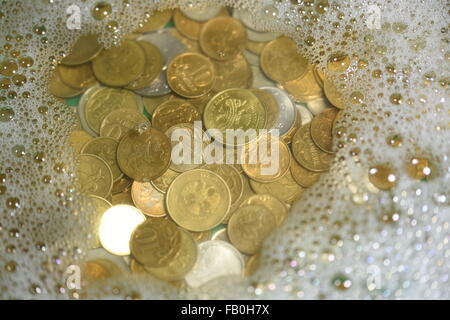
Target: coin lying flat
[[186, 26], [149, 200], [163, 182], [77, 77], [271, 106], [232, 178], [121, 185], [249, 226], [59, 89], [152, 68], [281, 62], [198, 200], [321, 129], [78, 138], [84, 49], [156, 21], [173, 112], [223, 38], [191, 75], [144, 156], [151, 103], [119, 122], [255, 47], [275, 206], [235, 73], [286, 107], [94, 176], [118, 66], [155, 242], [302, 176]]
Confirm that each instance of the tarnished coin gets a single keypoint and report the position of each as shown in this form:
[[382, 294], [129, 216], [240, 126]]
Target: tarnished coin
[[153, 66], [249, 226], [286, 110], [201, 12], [155, 242], [191, 75], [118, 66], [59, 89], [181, 263], [271, 106], [119, 122], [144, 156], [321, 129], [302, 176], [78, 138], [151, 103], [106, 149], [232, 178], [198, 200], [149, 200], [307, 153], [305, 88], [235, 73], [223, 38], [173, 112], [156, 21], [215, 259], [284, 189], [281, 61], [77, 77], [275, 206], [333, 95], [94, 176], [121, 185], [183, 154], [84, 49], [163, 182]]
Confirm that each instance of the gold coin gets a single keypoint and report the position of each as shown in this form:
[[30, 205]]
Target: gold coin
[[94, 176], [155, 242], [121, 185], [156, 21], [106, 149], [198, 200], [191, 75], [99, 269], [232, 178], [304, 89], [173, 112], [235, 73], [119, 122], [252, 265], [333, 95], [144, 156], [266, 169], [281, 61], [223, 38], [287, 137], [118, 66], [322, 129], [187, 145], [191, 45], [149, 200], [255, 47], [59, 89], [307, 153], [78, 139], [284, 189], [201, 236], [234, 109], [77, 77], [181, 264], [270, 105], [275, 206], [201, 102], [83, 50], [100, 205], [187, 27], [153, 66], [136, 267], [302, 176], [162, 183], [320, 76], [151, 103], [102, 101], [249, 227], [122, 198]]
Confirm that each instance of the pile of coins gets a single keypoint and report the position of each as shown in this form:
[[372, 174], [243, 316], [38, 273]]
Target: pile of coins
[[202, 221]]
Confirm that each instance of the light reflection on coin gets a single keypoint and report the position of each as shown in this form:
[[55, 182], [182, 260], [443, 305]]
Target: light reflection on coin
[[287, 109], [201, 12], [149, 200], [119, 122]]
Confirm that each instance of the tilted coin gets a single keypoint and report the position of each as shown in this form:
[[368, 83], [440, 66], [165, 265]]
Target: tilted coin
[[302, 176], [201, 12], [287, 138], [191, 75], [249, 226], [284, 189], [118, 66], [59, 89], [234, 109], [99, 269], [305, 115], [201, 102], [281, 61], [318, 105], [100, 205], [151, 103], [173, 112], [84, 49], [119, 122], [321, 129], [252, 265], [78, 138], [106, 149], [121, 185], [156, 21], [215, 259], [305, 88], [260, 79], [136, 267], [253, 59], [152, 68], [149, 200], [186, 26], [122, 198], [198, 200], [144, 156], [320, 76], [201, 236], [191, 45], [186, 156], [221, 235], [235, 73], [163, 182], [254, 33], [155, 242], [275, 206], [181, 263], [307, 153], [255, 47], [77, 77], [223, 38], [94, 176], [333, 95]]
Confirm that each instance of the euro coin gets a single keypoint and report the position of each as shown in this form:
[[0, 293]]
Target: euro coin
[[94, 176], [149, 200]]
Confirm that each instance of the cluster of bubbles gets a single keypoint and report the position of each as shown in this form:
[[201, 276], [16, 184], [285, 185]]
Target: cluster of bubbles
[[376, 226]]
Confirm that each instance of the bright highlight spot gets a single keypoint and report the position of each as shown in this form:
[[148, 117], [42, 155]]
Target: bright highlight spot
[[116, 226]]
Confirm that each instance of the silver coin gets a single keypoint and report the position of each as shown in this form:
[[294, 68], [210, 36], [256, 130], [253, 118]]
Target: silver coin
[[170, 47], [318, 105], [222, 235], [215, 259], [287, 112], [305, 114], [253, 33], [201, 13], [260, 79]]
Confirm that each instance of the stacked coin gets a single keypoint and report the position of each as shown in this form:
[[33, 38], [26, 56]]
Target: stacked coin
[[203, 220]]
